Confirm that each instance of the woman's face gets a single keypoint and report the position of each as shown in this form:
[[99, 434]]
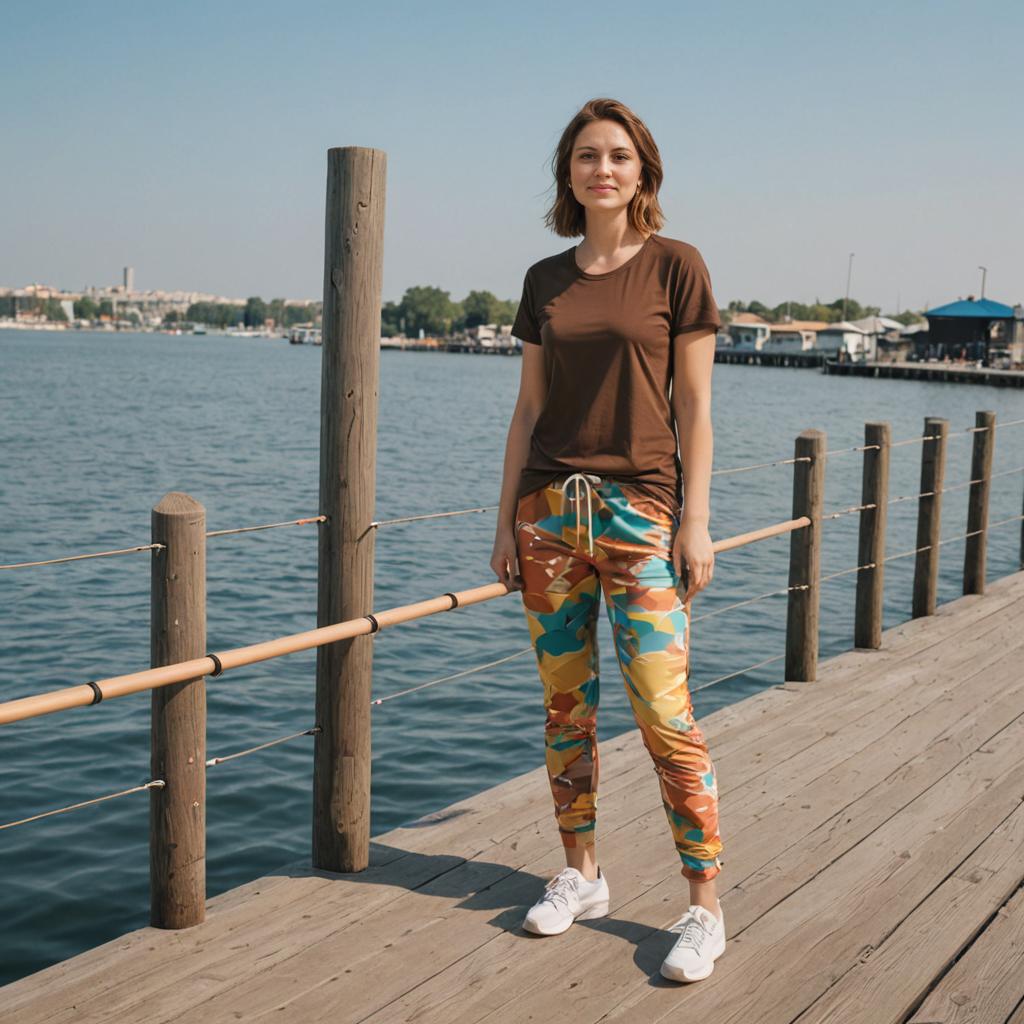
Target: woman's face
[[604, 166]]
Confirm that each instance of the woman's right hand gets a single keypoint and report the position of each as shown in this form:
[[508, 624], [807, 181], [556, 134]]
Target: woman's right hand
[[505, 559]]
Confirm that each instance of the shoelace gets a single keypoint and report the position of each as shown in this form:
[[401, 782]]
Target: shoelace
[[586, 479], [559, 888], [692, 931]]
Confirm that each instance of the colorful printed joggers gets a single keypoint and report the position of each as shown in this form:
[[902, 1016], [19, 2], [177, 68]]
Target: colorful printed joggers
[[611, 537]]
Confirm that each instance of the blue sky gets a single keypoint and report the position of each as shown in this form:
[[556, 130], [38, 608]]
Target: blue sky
[[189, 139]]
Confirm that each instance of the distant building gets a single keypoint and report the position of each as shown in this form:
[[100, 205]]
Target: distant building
[[129, 280], [878, 325], [884, 334], [482, 333], [974, 330], [913, 339], [793, 336], [491, 335], [847, 341], [898, 344], [745, 332]]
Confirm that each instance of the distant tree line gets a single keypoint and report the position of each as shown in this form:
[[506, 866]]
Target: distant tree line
[[433, 310], [830, 312], [254, 313], [423, 307]]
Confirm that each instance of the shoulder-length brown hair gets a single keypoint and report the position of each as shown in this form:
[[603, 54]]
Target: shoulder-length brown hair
[[567, 216]]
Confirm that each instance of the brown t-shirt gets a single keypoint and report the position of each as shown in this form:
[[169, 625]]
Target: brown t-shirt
[[607, 342]]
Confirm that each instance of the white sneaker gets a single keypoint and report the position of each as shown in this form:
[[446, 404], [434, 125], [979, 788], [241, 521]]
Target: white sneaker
[[567, 897], [700, 943]]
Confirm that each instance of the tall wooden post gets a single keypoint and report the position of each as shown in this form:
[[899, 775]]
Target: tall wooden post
[[353, 272], [929, 516], [867, 628], [977, 503], [805, 559], [177, 812]]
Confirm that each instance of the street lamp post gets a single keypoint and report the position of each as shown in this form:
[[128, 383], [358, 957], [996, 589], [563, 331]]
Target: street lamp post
[[849, 271], [984, 271]]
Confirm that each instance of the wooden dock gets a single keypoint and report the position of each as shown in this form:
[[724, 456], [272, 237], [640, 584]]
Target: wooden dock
[[873, 823]]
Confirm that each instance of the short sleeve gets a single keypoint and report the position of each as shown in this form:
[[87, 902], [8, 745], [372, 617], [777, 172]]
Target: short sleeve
[[525, 325], [692, 301]]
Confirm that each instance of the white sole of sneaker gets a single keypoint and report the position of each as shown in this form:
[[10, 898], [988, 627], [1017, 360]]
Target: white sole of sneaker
[[597, 910], [679, 973]]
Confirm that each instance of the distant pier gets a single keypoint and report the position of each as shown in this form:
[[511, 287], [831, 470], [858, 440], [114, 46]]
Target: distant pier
[[952, 372], [957, 373], [798, 359], [453, 346]]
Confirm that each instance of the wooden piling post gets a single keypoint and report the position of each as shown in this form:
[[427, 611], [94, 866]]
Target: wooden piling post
[[929, 516], [867, 628], [177, 811], [977, 503], [353, 272], [805, 558]]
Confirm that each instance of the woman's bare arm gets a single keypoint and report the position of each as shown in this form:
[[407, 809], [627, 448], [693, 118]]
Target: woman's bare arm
[[532, 392], [693, 360]]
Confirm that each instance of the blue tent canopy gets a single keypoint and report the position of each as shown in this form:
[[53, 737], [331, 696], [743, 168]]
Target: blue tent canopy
[[981, 309]]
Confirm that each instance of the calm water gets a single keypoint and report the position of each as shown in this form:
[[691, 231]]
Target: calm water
[[95, 428]]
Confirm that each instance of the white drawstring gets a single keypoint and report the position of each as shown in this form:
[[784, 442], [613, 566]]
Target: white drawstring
[[587, 479]]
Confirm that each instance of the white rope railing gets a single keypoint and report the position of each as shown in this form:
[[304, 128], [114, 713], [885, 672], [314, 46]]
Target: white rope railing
[[159, 783], [739, 672], [750, 600], [268, 526], [76, 558], [160, 547], [154, 783], [454, 675], [263, 746], [493, 508]]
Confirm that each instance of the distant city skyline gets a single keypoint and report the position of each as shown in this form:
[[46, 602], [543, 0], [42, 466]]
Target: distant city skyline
[[190, 143], [127, 288]]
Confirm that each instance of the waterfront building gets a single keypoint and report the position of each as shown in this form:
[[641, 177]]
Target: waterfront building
[[793, 336], [745, 332], [491, 335], [846, 341], [975, 330]]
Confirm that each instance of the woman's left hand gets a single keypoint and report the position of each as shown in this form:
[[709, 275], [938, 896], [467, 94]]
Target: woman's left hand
[[693, 555]]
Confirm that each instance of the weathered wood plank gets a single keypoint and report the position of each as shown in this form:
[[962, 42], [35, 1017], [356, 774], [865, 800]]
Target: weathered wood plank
[[985, 985], [854, 902]]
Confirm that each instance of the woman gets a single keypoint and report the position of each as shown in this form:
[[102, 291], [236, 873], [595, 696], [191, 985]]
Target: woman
[[618, 340]]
